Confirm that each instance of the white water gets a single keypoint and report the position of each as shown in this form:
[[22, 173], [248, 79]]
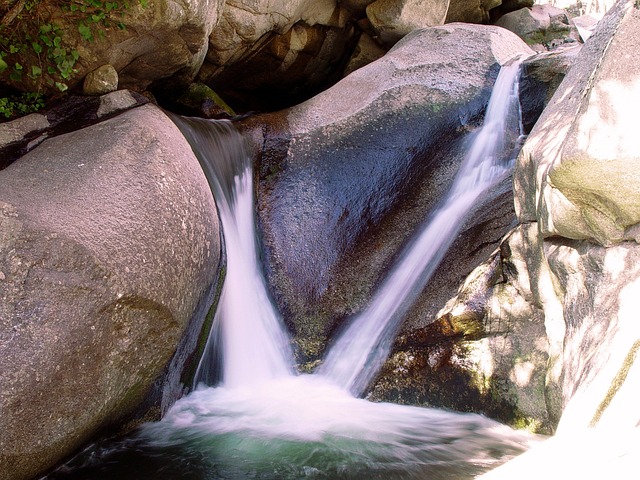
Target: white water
[[364, 346], [247, 330], [263, 421]]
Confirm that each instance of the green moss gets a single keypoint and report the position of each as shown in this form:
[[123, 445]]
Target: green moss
[[190, 371], [197, 94]]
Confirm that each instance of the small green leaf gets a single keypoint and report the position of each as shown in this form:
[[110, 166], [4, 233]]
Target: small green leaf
[[46, 40], [36, 71], [46, 28], [85, 32], [14, 48], [75, 54], [3, 65], [18, 67], [57, 41], [36, 47], [62, 86], [15, 76]]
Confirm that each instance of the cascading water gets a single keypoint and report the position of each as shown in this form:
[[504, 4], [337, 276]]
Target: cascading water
[[364, 346], [247, 330], [263, 421]]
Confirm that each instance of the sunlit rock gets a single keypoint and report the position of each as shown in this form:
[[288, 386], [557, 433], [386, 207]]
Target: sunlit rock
[[579, 171]]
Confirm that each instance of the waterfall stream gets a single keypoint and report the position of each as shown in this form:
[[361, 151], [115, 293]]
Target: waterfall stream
[[363, 347], [263, 421]]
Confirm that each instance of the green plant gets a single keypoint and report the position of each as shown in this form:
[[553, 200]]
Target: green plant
[[21, 104], [34, 49]]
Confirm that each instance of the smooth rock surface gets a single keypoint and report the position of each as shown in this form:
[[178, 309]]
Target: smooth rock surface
[[334, 166], [109, 243]]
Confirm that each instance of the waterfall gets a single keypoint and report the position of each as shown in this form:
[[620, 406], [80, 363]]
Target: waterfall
[[362, 348], [262, 421], [248, 334]]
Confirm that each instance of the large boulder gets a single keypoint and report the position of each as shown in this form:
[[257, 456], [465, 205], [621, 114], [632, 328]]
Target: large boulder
[[541, 26], [577, 179], [569, 174], [400, 122], [109, 252]]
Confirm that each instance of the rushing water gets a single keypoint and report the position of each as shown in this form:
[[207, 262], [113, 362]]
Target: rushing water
[[364, 346], [263, 421]]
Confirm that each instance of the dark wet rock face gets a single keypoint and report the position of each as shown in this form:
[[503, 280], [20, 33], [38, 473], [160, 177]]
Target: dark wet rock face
[[333, 168]]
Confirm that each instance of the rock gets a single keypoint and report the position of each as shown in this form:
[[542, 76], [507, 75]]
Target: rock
[[366, 52], [109, 246], [581, 275], [393, 19], [476, 11], [24, 134], [282, 69], [598, 7], [486, 350], [271, 55], [319, 214], [541, 76], [586, 24], [22, 129], [244, 22], [102, 80], [571, 185], [145, 42], [115, 102], [356, 7], [540, 25]]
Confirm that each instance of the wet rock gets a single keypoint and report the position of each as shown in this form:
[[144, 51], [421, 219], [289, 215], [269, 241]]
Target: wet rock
[[332, 169], [109, 246]]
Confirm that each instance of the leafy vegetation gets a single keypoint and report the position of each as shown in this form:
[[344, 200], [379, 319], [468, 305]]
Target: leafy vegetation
[[21, 104], [34, 51]]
